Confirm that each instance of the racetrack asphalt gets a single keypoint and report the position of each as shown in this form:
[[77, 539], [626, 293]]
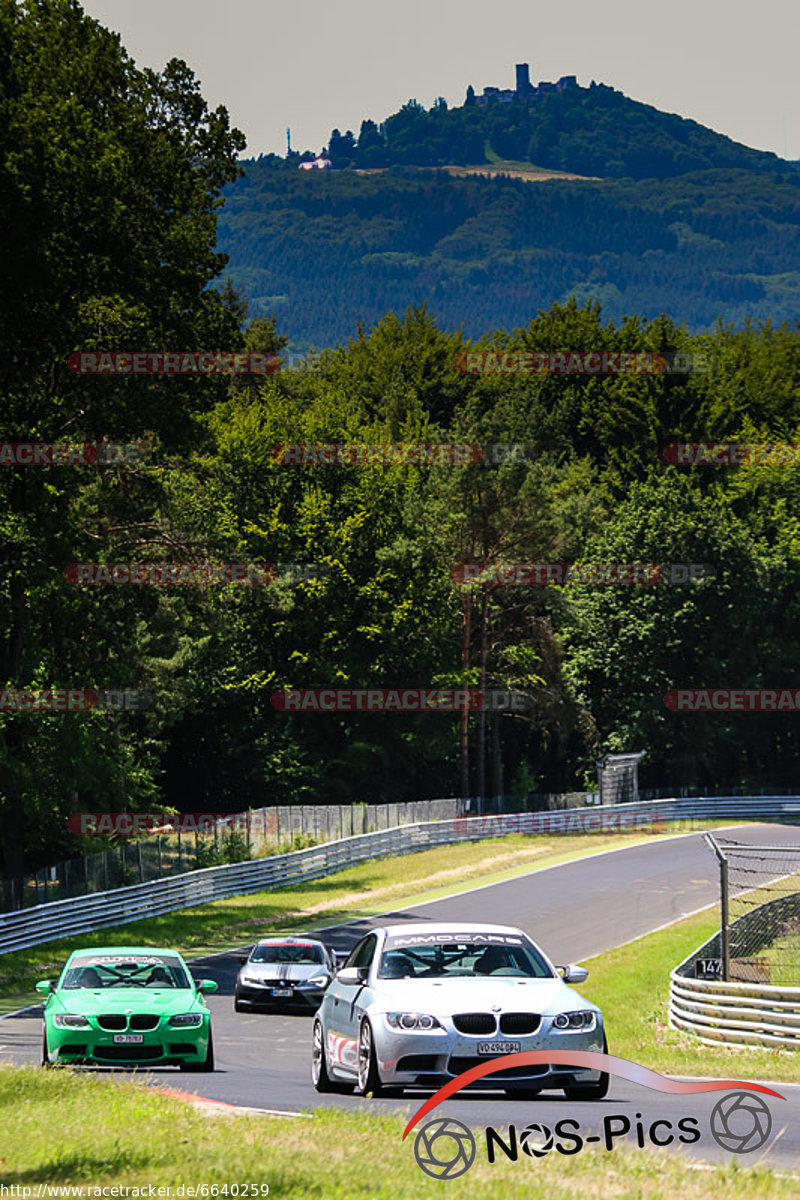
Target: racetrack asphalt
[[574, 911]]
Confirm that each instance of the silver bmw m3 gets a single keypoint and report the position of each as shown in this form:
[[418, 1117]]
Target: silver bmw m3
[[417, 1004]]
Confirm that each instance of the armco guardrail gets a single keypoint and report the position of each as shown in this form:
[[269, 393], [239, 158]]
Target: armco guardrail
[[736, 1014], [64, 918]]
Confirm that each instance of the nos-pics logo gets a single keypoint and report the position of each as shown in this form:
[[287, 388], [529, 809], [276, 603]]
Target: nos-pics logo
[[445, 1148]]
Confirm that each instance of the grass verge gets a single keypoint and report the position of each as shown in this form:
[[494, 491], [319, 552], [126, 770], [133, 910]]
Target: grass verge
[[65, 1128], [631, 985]]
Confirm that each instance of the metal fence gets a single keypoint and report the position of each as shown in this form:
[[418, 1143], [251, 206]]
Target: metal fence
[[48, 922], [759, 911], [272, 830], [260, 831]]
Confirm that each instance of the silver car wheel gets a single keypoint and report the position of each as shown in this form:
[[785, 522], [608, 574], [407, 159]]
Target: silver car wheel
[[364, 1056], [317, 1051]]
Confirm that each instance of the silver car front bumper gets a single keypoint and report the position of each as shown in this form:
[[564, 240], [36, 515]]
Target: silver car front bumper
[[436, 1057]]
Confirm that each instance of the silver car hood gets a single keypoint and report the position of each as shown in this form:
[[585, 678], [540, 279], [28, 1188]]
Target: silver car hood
[[470, 994], [290, 972]]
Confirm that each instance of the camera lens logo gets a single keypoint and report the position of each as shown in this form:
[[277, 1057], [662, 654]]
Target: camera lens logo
[[536, 1140], [741, 1122], [444, 1148]]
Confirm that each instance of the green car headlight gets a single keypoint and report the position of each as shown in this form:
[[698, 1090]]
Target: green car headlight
[[185, 1020], [70, 1021]]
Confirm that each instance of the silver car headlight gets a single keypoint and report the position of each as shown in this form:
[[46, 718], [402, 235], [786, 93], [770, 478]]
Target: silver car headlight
[[408, 1022], [70, 1021], [251, 979], [316, 981], [576, 1022], [187, 1020]]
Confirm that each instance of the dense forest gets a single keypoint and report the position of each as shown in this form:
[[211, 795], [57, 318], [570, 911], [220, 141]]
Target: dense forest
[[113, 247], [327, 250]]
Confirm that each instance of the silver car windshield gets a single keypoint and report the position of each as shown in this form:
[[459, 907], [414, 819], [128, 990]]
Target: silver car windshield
[[459, 959], [288, 952]]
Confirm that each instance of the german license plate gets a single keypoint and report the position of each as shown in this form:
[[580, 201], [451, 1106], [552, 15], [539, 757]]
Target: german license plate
[[492, 1048], [128, 1039], [282, 992]]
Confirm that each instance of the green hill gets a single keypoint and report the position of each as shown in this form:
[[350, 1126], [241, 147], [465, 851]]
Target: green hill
[[691, 222], [588, 131]]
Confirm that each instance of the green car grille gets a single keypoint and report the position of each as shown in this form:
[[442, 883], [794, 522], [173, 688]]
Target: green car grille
[[115, 1022]]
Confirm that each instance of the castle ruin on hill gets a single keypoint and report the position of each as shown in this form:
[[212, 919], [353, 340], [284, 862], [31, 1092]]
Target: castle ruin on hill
[[524, 89]]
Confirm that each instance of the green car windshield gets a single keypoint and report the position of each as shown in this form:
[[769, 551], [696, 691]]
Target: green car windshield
[[116, 971]]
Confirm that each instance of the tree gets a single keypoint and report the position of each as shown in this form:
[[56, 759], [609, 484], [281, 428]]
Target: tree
[[109, 178]]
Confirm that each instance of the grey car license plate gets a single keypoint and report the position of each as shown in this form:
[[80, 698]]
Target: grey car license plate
[[491, 1048], [127, 1039], [282, 992]]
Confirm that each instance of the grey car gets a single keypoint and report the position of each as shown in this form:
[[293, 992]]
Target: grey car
[[284, 972], [417, 1004]]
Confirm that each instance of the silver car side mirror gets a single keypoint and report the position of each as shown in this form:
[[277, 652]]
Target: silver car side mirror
[[574, 974]]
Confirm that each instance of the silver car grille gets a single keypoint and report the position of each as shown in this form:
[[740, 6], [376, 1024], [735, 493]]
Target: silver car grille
[[486, 1024], [520, 1023], [476, 1024]]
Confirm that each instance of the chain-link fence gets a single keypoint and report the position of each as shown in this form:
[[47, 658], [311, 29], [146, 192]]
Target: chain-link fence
[[760, 913]]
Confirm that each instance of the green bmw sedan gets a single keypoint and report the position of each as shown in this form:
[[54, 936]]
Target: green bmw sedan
[[127, 1007]]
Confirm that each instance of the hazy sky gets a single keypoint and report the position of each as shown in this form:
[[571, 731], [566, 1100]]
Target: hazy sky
[[316, 64]]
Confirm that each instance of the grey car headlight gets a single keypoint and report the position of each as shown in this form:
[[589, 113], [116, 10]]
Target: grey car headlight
[[316, 981], [412, 1022], [186, 1020], [70, 1021], [253, 980], [576, 1022]]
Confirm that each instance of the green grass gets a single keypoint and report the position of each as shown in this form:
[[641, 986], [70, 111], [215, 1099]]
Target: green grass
[[67, 1128], [784, 956], [631, 985], [374, 886]]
